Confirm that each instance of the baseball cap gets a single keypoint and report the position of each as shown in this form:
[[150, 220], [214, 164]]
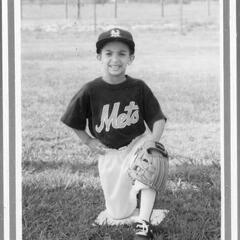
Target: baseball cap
[[115, 34]]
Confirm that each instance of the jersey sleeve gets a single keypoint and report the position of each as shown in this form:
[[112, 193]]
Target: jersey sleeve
[[77, 112], [152, 111]]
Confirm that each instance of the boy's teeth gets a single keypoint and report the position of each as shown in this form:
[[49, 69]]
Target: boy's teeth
[[115, 67]]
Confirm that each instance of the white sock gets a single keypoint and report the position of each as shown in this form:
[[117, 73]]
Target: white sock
[[147, 202]]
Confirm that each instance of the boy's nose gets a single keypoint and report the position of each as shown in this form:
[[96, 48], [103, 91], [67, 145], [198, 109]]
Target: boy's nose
[[115, 58]]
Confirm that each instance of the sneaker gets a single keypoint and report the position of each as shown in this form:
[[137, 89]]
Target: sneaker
[[143, 230]]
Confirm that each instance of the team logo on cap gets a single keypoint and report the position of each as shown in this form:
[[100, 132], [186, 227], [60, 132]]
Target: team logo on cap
[[115, 33]]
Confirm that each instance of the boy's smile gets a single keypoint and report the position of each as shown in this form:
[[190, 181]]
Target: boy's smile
[[115, 56]]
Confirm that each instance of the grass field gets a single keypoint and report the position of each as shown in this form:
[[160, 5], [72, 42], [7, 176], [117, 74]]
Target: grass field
[[61, 190]]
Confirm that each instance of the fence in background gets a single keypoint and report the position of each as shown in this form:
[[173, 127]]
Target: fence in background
[[74, 9]]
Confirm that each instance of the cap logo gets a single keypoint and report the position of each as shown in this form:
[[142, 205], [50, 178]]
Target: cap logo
[[115, 33]]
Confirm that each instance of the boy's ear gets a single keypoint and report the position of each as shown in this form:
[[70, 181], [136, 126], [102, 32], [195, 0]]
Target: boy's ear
[[131, 58], [99, 57]]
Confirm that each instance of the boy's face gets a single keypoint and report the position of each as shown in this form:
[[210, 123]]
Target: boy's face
[[115, 56]]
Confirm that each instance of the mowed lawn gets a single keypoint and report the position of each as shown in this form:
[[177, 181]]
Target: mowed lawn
[[61, 190]]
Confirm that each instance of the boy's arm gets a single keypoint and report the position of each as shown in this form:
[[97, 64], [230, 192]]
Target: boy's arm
[[158, 128], [94, 144], [84, 137]]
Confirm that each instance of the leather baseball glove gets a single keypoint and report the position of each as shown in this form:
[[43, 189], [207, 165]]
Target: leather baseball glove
[[150, 165]]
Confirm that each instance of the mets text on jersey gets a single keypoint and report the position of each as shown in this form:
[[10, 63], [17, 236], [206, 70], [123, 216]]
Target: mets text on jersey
[[116, 120]]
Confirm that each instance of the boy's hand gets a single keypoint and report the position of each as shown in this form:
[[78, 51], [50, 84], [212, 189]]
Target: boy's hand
[[96, 146]]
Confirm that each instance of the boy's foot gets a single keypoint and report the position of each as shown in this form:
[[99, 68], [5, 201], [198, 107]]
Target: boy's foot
[[143, 230]]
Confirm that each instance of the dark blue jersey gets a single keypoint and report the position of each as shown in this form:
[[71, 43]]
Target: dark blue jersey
[[115, 113]]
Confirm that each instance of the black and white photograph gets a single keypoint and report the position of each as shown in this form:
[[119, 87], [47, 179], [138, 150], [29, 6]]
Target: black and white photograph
[[102, 82], [120, 121]]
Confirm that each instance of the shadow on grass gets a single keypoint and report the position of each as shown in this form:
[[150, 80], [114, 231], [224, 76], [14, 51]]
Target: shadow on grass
[[69, 213], [74, 166], [195, 213], [61, 213]]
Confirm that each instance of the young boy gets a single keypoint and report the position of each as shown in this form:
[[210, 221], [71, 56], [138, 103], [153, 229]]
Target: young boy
[[118, 110]]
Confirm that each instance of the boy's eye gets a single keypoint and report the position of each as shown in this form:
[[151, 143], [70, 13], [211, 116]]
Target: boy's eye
[[119, 54]]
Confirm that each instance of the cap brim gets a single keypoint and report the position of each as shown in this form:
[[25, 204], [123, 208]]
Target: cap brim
[[100, 44]]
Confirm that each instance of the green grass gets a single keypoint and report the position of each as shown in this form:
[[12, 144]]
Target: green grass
[[66, 209], [62, 198], [61, 190]]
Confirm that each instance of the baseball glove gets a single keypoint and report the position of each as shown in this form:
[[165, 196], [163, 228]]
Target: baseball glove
[[150, 165]]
